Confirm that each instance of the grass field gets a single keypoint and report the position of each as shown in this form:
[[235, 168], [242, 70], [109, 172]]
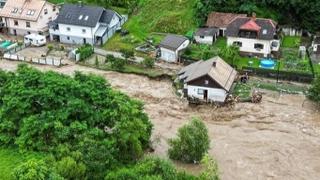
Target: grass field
[[291, 41], [11, 158], [165, 16]]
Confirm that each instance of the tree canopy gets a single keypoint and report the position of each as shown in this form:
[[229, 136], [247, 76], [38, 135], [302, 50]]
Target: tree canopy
[[51, 112]]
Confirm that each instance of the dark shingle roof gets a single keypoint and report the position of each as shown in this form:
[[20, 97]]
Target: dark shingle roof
[[173, 42], [90, 15], [206, 31], [267, 31]]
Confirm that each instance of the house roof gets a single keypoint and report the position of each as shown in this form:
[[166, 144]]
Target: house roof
[[250, 25], [266, 31], [23, 9], [222, 20], [173, 42], [82, 15], [206, 31], [216, 68]]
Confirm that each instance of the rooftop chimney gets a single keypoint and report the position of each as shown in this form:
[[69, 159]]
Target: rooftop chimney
[[254, 16], [214, 64]]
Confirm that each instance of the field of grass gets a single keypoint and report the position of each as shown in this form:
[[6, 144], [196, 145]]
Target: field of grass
[[291, 41], [165, 16], [11, 158]]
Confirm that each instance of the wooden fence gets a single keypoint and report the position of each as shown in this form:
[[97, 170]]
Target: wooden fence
[[45, 60]]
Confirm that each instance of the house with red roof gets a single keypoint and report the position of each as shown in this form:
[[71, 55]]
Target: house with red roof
[[254, 36]]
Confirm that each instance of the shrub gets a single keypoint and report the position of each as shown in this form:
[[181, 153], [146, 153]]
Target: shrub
[[127, 53], [314, 91], [85, 51], [210, 166], [68, 168], [191, 144], [148, 62], [50, 48], [34, 170], [62, 48], [116, 63]]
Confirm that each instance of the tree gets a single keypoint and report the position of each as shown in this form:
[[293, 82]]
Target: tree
[[34, 170], [314, 91], [191, 144], [210, 166], [148, 62], [68, 168], [230, 54]]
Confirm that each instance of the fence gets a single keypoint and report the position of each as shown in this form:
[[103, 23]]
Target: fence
[[282, 75], [45, 61]]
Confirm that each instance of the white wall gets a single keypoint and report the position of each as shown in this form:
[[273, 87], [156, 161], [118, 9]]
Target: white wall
[[248, 45], [204, 40], [41, 25], [215, 94], [168, 55]]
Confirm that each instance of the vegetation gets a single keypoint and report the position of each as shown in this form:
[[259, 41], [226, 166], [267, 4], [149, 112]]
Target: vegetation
[[191, 144], [211, 171], [291, 12], [103, 128], [314, 91], [291, 42], [85, 51], [148, 62], [149, 168]]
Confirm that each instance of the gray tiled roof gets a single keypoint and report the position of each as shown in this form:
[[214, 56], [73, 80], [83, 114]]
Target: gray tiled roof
[[267, 26], [173, 42], [91, 15], [221, 72], [206, 31]]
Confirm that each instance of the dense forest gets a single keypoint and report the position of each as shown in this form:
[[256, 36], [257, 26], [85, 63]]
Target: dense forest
[[303, 14]]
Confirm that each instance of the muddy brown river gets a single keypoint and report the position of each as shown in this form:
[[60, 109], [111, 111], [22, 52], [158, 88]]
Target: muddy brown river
[[277, 139]]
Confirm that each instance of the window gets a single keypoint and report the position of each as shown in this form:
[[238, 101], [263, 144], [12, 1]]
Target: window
[[80, 17], [237, 43], [68, 29], [200, 91], [31, 12], [54, 9], [86, 18], [29, 33], [264, 32], [45, 11], [258, 46], [27, 24], [16, 23], [83, 31], [68, 38], [202, 37], [206, 82], [15, 10]]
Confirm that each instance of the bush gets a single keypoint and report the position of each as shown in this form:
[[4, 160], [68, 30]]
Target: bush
[[127, 53], [68, 168], [116, 63], [148, 62], [191, 144], [85, 51], [314, 91], [35, 170], [149, 168], [210, 166], [62, 48]]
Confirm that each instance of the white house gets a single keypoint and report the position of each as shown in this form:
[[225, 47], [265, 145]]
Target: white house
[[316, 45], [221, 20], [254, 36], [209, 80], [21, 17], [172, 46], [206, 35], [81, 24]]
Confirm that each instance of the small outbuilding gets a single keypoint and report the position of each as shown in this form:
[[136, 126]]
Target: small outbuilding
[[209, 80], [35, 40], [206, 35], [172, 46]]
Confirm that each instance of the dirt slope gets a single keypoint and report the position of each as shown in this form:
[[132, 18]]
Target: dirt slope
[[277, 139]]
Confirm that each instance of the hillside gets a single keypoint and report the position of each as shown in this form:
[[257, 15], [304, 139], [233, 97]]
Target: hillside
[[152, 16]]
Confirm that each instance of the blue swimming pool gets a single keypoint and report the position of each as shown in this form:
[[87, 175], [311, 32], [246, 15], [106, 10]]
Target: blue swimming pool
[[267, 63]]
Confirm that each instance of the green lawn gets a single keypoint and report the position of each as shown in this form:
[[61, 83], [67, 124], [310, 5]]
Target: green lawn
[[11, 158], [155, 16], [291, 41], [244, 62]]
